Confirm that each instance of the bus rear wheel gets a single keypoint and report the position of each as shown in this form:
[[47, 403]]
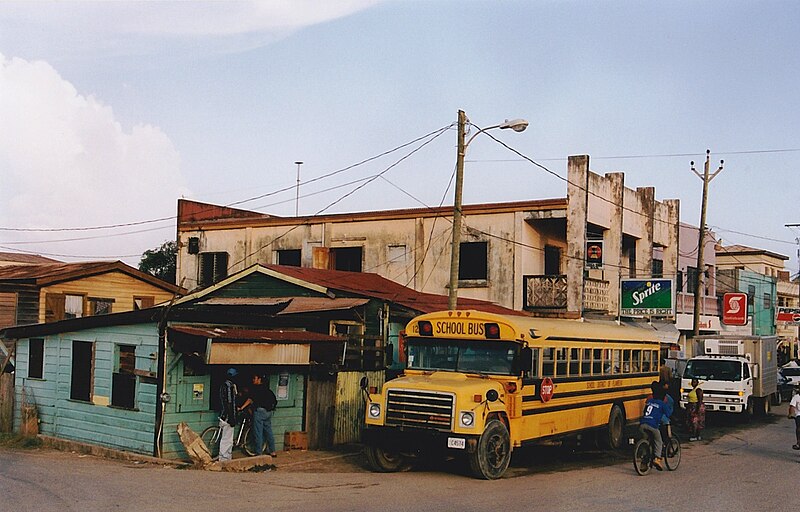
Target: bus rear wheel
[[616, 428], [382, 460], [493, 454]]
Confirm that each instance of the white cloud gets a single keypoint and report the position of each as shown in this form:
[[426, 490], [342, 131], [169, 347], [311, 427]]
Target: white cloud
[[65, 161]]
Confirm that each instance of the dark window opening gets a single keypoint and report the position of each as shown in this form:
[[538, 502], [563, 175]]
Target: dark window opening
[[691, 279], [36, 358], [473, 261], [552, 260], [123, 381], [346, 258], [100, 306], [751, 294], [213, 268], [290, 257], [81, 381], [658, 268]]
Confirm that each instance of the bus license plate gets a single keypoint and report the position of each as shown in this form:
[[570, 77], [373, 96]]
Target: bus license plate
[[456, 442]]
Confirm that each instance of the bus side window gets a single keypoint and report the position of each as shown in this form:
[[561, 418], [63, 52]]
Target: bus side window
[[548, 364], [597, 361], [615, 360], [646, 361], [586, 363], [654, 358], [534, 362], [636, 359], [561, 361], [626, 361], [574, 361]]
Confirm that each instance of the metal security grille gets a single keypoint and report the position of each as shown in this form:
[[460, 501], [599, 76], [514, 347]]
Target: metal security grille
[[423, 409]]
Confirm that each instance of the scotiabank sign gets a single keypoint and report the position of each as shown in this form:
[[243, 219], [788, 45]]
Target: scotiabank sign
[[734, 309]]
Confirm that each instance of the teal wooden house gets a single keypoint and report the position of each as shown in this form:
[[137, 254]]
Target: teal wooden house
[[127, 380]]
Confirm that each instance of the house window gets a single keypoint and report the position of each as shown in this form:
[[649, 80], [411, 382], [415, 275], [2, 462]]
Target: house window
[[691, 279], [73, 306], [396, 253], [679, 283], [767, 301], [473, 261], [100, 306], [289, 257], [143, 303], [346, 258], [123, 381], [658, 268], [751, 294], [552, 260], [82, 363], [36, 358], [213, 268]]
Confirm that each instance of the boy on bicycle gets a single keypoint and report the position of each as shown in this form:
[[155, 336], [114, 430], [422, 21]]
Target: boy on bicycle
[[652, 414]]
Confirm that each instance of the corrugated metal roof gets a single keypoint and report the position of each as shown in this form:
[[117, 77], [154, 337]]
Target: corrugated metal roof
[[48, 273], [251, 335], [24, 259], [296, 304]]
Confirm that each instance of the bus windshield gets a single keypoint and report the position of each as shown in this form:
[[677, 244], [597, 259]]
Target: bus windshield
[[497, 357], [709, 369]]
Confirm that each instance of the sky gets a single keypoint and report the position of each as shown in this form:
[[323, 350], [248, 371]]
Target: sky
[[112, 111]]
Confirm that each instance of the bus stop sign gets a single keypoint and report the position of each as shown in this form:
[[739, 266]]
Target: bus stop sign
[[546, 389]]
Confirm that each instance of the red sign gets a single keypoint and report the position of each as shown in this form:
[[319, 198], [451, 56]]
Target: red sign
[[546, 389], [790, 315], [734, 309]]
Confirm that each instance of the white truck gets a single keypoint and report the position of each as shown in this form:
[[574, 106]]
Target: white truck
[[738, 374]]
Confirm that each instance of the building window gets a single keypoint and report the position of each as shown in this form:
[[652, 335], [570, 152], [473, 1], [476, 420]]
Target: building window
[[73, 306], [396, 253], [346, 258], [473, 261], [691, 279], [35, 358], [751, 294], [143, 303], [767, 301], [100, 306], [658, 268], [213, 268], [552, 260], [679, 279], [289, 257], [123, 381], [82, 363]]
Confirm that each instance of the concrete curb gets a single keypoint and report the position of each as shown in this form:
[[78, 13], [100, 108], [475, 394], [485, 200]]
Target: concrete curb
[[102, 451]]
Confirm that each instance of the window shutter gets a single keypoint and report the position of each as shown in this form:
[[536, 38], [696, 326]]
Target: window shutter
[[54, 307]]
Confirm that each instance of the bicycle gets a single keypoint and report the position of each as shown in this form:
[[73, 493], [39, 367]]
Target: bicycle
[[243, 438], [643, 452]]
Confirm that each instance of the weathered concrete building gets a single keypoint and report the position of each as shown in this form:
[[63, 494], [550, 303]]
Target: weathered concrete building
[[523, 255]]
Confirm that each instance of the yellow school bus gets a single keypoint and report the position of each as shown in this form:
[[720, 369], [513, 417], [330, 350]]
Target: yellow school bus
[[478, 385]]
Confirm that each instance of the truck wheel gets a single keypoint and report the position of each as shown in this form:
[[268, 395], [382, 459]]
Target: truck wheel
[[492, 455], [763, 406], [748, 410], [382, 460], [615, 429], [777, 398]]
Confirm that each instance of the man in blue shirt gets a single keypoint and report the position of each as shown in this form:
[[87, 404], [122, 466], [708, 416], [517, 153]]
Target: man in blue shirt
[[654, 410]]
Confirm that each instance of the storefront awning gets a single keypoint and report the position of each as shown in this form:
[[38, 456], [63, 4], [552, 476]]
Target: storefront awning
[[260, 346], [666, 332]]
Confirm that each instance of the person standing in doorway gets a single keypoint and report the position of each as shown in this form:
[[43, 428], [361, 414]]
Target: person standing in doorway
[[227, 417], [263, 401]]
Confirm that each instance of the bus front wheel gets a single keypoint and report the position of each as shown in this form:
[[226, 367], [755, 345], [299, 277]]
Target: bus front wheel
[[382, 460], [493, 453], [616, 428]]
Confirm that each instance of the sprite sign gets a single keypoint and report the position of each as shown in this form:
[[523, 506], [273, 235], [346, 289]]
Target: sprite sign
[[647, 297]]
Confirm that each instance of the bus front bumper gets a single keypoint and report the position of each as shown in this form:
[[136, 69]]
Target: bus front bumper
[[411, 440]]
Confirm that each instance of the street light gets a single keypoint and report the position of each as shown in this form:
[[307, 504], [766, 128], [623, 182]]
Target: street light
[[518, 125]]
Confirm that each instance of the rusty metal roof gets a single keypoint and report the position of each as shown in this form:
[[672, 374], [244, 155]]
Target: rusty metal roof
[[23, 259], [256, 335], [48, 273], [296, 304], [373, 285]]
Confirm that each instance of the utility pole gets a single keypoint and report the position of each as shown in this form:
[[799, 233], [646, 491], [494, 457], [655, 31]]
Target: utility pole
[[297, 192], [455, 250], [797, 280], [699, 283]]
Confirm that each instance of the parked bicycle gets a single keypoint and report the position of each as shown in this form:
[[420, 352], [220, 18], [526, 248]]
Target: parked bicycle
[[643, 452], [243, 438]]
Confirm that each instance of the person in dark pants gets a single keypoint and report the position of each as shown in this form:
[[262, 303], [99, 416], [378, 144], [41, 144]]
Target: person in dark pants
[[227, 417], [263, 402]]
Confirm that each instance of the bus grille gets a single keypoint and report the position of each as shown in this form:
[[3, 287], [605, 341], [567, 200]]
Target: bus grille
[[422, 409]]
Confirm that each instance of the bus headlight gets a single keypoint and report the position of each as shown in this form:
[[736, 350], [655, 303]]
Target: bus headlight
[[466, 419], [374, 410]]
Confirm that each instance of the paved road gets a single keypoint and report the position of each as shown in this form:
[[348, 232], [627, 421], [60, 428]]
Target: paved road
[[738, 468]]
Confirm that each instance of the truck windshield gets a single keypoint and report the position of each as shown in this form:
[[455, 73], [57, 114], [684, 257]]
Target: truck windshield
[[497, 357], [709, 369]]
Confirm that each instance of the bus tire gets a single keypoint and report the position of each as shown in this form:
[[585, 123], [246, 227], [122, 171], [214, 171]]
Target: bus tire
[[493, 453], [615, 429], [382, 460]]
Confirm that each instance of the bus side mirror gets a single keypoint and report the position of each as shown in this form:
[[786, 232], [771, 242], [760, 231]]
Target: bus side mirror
[[364, 382], [526, 362]]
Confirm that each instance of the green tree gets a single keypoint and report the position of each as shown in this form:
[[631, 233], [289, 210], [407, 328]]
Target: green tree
[[161, 262]]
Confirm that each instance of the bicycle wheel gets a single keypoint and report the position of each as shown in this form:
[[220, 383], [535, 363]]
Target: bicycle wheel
[[672, 452], [642, 456], [249, 441], [210, 437]]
